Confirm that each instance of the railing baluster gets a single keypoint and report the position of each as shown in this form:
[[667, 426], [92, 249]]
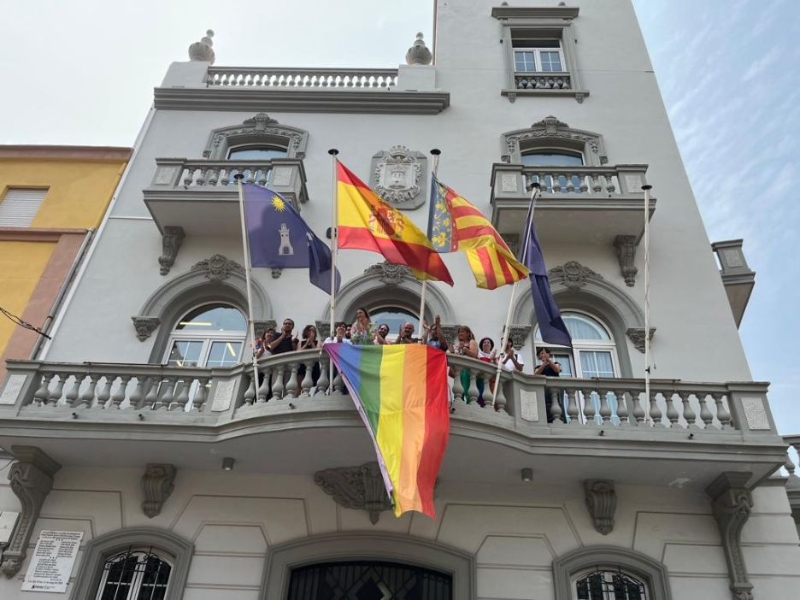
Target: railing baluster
[[324, 367], [55, 393], [264, 391], [292, 386], [605, 409], [87, 397], [500, 402], [655, 411], [119, 396], [555, 407], [137, 395], [458, 389], [622, 408], [706, 416], [250, 393], [472, 393], [42, 394], [277, 384], [182, 398], [105, 391], [199, 400], [151, 399], [308, 379], [571, 402], [672, 408], [73, 393], [688, 412], [723, 416], [588, 406]]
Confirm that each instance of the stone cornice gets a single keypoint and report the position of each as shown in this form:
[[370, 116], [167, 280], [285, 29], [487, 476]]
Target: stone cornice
[[566, 13], [93, 153], [312, 100]]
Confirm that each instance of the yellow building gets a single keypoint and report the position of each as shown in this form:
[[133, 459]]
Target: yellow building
[[52, 198]]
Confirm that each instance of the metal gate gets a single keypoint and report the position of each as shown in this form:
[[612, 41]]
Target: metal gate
[[368, 580]]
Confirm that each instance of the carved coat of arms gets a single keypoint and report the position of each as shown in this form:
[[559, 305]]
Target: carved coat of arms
[[399, 176]]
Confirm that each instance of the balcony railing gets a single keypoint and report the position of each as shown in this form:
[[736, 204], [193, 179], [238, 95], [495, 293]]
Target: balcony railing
[[542, 81], [243, 77], [590, 204], [101, 391]]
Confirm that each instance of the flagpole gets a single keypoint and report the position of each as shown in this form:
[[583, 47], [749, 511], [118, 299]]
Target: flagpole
[[647, 189], [246, 244], [334, 250], [507, 328], [436, 153]]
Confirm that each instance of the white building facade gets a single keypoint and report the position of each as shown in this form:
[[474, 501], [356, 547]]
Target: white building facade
[[140, 427]]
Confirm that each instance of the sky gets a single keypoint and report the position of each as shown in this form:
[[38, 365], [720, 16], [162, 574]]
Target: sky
[[82, 72]]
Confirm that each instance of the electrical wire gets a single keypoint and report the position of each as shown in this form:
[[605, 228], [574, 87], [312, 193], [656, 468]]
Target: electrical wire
[[17, 321]]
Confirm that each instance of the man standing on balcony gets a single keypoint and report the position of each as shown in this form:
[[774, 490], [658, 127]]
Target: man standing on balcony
[[284, 342], [548, 368]]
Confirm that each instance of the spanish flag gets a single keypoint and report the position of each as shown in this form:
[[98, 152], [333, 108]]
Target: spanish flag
[[454, 225], [401, 394], [365, 222]]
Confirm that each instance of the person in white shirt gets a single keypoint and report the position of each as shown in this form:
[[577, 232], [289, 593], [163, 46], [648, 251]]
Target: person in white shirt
[[511, 360], [340, 335]]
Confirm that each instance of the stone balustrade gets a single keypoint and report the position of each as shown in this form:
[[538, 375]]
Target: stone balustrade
[[601, 181], [542, 81], [244, 77], [97, 391]]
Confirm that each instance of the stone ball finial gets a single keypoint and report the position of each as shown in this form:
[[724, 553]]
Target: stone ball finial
[[202, 50], [419, 54]]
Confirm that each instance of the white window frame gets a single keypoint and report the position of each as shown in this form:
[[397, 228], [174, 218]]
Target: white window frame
[[207, 337], [579, 345], [537, 56]]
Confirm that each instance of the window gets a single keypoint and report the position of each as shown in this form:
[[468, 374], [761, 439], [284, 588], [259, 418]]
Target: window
[[394, 317], [134, 575], [552, 158], [541, 51], [368, 580], [593, 354], [137, 563], [553, 182], [256, 153], [609, 573], [19, 206], [537, 56], [607, 584], [212, 335], [551, 142]]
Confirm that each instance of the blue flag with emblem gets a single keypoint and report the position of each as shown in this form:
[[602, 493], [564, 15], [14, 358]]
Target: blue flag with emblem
[[279, 238]]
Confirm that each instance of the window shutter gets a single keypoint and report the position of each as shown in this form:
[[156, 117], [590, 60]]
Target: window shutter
[[19, 206]]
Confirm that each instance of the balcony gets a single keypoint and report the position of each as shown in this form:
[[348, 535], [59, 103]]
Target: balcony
[[603, 428], [198, 86], [592, 205], [200, 196], [793, 481]]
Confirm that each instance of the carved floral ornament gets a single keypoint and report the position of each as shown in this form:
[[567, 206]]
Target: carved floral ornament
[[259, 126], [218, 267], [390, 274], [359, 488], [573, 275], [551, 128]]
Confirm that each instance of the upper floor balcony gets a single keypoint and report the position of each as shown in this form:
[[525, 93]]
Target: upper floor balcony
[[565, 429], [591, 204], [201, 196]]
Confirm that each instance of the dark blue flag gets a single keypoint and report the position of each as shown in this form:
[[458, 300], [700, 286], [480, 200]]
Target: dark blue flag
[[280, 239], [551, 325]]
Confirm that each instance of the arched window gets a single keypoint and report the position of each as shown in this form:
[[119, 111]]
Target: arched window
[[394, 317], [136, 574], [211, 335], [609, 584], [256, 152], [593, 354], [552, 158], [368, 580]]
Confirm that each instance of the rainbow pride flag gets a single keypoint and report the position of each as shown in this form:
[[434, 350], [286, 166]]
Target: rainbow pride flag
[[401, 394]]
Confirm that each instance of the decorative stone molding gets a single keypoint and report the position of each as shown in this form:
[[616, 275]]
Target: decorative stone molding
[[450, 333], [262, 326], [636, 335], [276, 273], [158, 482], [626, 255], [31, 479], [419, 54], [572, 274], [171, 241], [601, 500], [145, 326], [390, 274], [218, 268], [360, 488], [259, 129], [202, 51], [323, 329], [399, 175], [550, 133], [731, 503], [518, 334]]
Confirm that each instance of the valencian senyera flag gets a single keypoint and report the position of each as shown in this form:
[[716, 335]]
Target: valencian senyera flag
[[551, 326], [366, 222], [455, 225], [401, 393], [279, 238]]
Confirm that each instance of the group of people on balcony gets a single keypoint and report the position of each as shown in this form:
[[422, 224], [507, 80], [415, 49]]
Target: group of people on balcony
[[364, 332]]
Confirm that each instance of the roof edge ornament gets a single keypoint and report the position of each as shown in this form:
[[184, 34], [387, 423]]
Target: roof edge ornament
[[419, 54], [203, 50]]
